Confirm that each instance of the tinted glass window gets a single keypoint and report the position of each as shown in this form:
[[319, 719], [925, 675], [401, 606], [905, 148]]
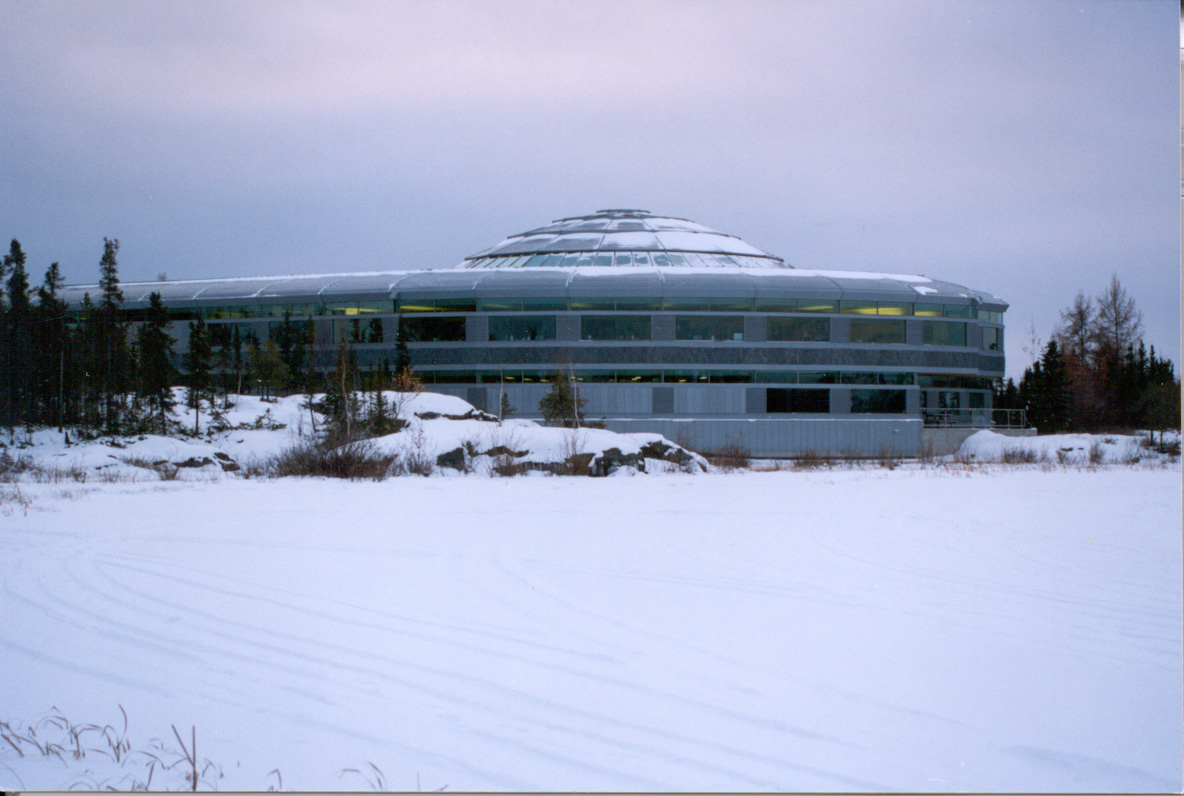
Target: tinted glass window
[[788, 377], [358, 331], [456, 305], [686, 304], [639, 304], [434, 330], [936, 333], [690, 327], [990, 338], [638, 376], [866, 330], [809, 330], [517, 328], [592, 304], [776, 305], [615, 327], [815, 305], [779, 401], [858, 307], [877, 401]]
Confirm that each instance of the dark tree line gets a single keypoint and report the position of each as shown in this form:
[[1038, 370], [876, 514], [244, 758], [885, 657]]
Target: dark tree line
[[96, 370], [82, 369], [1096, 372]]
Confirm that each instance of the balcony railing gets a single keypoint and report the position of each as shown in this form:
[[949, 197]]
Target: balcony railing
[[975, 418]]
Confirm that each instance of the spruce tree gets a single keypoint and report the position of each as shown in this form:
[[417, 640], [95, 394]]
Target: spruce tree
[[113, 364], [50, 342], [197, 362], [17, 360], [269, 368], [156, 371], [561, 406]]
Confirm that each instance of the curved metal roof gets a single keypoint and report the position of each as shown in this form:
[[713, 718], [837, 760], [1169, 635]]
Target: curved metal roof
[[767, 282], [622, 238]]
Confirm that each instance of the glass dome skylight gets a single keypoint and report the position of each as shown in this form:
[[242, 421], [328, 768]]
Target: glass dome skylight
[[622, 238]]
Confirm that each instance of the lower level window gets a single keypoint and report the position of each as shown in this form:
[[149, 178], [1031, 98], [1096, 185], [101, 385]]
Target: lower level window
[[779, 401], [877, 402]]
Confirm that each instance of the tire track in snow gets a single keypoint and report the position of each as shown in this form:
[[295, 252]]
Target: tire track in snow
[[133, 635], [515, 696]]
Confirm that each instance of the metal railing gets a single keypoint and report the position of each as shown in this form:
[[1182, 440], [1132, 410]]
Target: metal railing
[[975, 418]]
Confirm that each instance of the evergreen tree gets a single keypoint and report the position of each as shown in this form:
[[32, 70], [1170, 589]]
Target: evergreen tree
[[156, 371], [341, 404], [87, 356], [17, 359], [50, 342], [269, 368], [1044, 391], [113, 364], [381, 422], [197, 362], [223, 358], [561, 406], [402, 352], [505, 409]]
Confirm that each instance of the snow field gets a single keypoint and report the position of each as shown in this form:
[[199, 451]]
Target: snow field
[[914, 629]]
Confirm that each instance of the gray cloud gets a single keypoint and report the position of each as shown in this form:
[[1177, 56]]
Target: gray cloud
[[1024, 148]]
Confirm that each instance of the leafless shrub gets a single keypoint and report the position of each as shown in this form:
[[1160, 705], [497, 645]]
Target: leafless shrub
[[733, 455], [1130, 456], [574, 460], [505, 466], [926, 454], [504, 444], [1018, 455], [353, 461], [812, 460], [416, 460], [13, 500], [1096, 454], [963, 458]]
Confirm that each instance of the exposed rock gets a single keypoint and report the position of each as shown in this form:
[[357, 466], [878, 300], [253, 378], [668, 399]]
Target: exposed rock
[[669, 453], [472, 414], [454, 459], [502, 450], [612, 460], [196, 462]]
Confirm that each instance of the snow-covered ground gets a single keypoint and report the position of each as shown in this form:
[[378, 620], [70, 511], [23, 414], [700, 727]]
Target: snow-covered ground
[[958, 627]]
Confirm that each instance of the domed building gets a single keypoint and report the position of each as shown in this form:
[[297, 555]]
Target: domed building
[[663, 325]]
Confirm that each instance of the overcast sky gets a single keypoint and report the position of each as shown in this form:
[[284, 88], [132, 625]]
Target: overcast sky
[[1024, 148]]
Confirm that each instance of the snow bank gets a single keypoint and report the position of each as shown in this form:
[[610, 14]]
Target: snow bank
[[988, 446], [445, 434]]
